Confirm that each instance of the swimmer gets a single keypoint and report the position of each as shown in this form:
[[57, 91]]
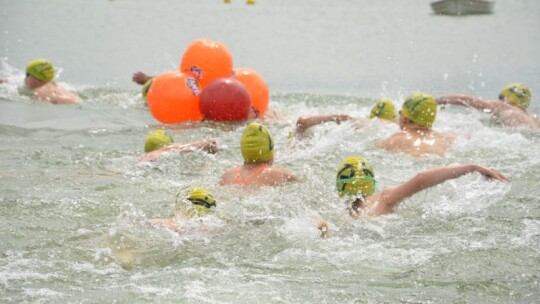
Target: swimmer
[[509, 110], [160, 142], [416, 136], [257, 147], [356, 178], [383, 109], [40, 79], [197, 204]]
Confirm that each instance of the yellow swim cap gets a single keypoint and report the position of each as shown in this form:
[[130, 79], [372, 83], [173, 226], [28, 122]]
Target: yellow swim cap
[[41, 69], [518, 94], [156, 140], [146, 87], [201, 202], [355, 176], [420, 108], [384, 109], [257, 144]]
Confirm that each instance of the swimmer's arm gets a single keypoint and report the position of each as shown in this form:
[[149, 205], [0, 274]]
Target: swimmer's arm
[[392, 196], [304, 123], [208, 145], [463, 100], [3, 80], [168, 223]]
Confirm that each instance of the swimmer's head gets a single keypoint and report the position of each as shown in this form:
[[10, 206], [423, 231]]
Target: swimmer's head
[[384, 109], [355, 177], [202, 202], [518, 94], [257, 144], [41, 69], [156, 140], [420, 108], [146, 87]]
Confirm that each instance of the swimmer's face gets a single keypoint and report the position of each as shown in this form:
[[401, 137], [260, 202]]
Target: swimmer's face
[[31, 82]]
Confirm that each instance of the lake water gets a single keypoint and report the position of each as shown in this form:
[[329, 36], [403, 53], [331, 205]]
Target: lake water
[[74, 200]]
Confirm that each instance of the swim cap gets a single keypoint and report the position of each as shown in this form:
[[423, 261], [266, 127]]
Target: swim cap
[[420, 108], [257, 144], [201, 202], [384, 109], [201, 197], [156, 140], [355, 176], [146, 87], [518, 94], [41, 69]]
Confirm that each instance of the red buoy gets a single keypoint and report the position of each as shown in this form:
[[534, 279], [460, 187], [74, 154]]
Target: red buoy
[[225, 99]]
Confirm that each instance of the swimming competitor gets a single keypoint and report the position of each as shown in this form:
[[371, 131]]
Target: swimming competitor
[[356, 179], [190, 210], [40, 76], [160, 142], [416, 136], [383, 109], [510, 110], [257, 147]]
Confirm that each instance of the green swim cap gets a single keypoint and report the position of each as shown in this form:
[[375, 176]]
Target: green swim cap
[[156, 140], [355, 176], [146, 87], [202, 200], [257, 144], [41, 69], [420, 108], [518, 94], [384, 109]]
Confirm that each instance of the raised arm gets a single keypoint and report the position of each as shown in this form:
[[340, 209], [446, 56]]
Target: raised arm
[[392, 196], [304, 123], [463, 100]]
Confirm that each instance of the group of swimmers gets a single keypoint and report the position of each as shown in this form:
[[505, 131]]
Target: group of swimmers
[[355, 177]]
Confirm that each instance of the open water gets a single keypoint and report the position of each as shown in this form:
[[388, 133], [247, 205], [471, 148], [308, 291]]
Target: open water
[[74, 200]]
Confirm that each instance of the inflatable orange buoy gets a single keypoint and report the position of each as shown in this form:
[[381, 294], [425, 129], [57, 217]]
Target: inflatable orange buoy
[[225, 99], [207, 60], [174, 97], [257, 88]]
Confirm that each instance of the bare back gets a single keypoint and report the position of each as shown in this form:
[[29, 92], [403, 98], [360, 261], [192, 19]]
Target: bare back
[[418, 142], [256, 176], [512, 116], [52, 93]]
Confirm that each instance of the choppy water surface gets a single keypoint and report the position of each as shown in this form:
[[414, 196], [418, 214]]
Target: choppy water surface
[[74, 200]]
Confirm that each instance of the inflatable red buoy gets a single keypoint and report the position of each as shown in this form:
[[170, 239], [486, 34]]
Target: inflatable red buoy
[[174, 97], [225, 99], [207, 60], [257, 88]]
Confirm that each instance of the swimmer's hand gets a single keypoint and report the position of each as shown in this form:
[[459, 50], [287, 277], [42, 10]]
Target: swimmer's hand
[[323, 227], [210, 145], [140, 78], [492, 174]]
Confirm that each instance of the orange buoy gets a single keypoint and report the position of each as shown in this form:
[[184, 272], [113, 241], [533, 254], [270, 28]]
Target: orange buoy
[[257, 88], [174, 97], [207, 60], [225, 99]]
